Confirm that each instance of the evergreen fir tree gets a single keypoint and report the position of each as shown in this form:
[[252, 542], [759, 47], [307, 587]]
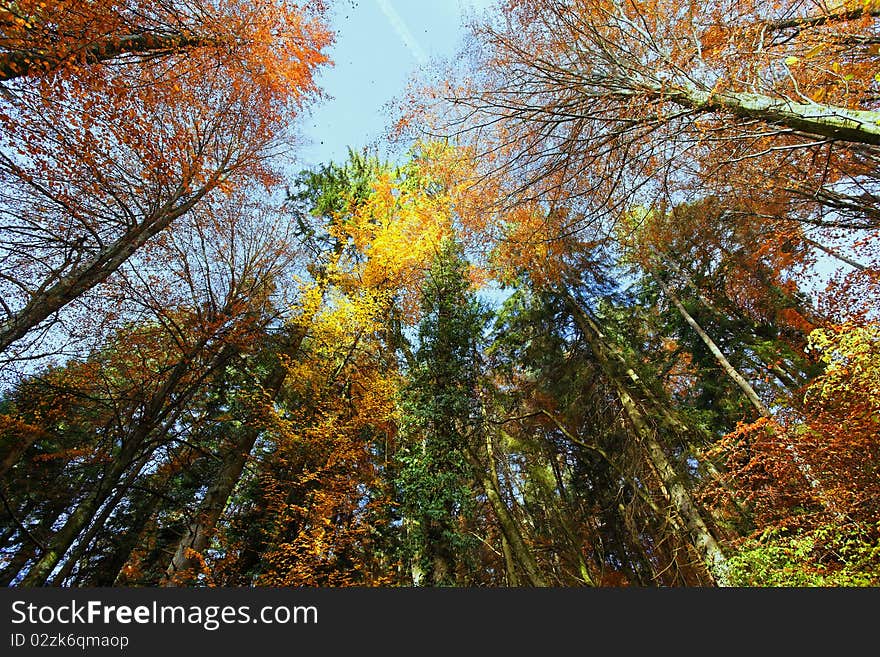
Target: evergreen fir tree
[[441, 414]]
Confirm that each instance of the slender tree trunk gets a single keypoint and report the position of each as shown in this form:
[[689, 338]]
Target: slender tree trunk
[[729, 369], [670, 263], [63, 539], [834, 253], [638, 564], [184, 566], [801, 464], [510, 529], [662, 414], [787, 379], [161, 406], [82, 516], [97, 523], [563, 518], [143, 508], [416, 573], [510, 566], [676, 491], [106, 571]]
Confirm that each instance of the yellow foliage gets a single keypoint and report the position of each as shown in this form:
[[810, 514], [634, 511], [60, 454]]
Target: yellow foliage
[[852, 358]]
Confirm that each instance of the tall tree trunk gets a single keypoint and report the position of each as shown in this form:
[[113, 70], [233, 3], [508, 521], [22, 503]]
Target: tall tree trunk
[[787, 379], [185, 564], [682, 503], [801, 464], [834, 253], [84, 542], [106, 571], [510, 567], [143, 507], [84, 513], [49, 299], [63, 539], [729, 369], [442, 558], [162, 406], [638, 565], [416, 573], [510, 529], [20, 63]]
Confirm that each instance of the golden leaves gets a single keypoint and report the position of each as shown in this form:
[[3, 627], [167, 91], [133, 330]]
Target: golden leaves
[[851, 354]]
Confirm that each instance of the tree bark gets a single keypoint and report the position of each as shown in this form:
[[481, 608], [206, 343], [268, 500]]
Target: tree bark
[[107, 570], [185, 565], [801, 464], [831, 16], [682, 504], [729, 369], [510, 567], [97, 523], [20, 63]]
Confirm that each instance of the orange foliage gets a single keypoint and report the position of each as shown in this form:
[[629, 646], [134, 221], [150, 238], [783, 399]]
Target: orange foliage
[[818, 465], [103, 153]]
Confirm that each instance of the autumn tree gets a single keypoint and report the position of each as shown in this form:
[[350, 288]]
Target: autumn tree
[[319, 508], [120, 118], [586, 108], [134, 395]]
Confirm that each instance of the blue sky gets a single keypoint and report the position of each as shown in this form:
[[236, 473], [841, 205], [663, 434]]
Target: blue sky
[[380, 44]]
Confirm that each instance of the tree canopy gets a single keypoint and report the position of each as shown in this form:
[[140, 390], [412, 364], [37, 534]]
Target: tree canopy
[[612, 320]]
